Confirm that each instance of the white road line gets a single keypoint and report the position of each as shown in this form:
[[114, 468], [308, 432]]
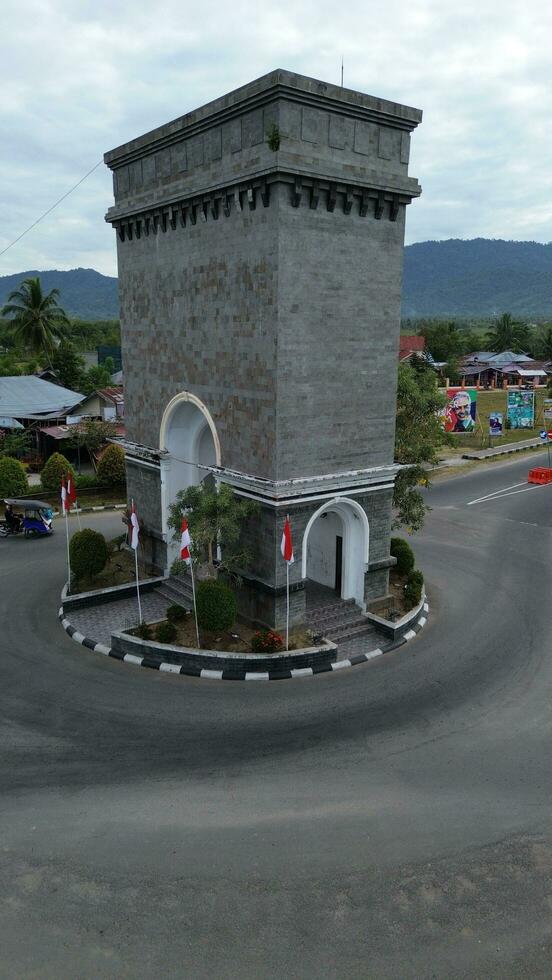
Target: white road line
[[533, 486], [496, 492], [341, 663]]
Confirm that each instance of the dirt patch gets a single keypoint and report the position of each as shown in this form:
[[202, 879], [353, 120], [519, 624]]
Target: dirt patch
[[395, 605], [235, 640], [119, 570]]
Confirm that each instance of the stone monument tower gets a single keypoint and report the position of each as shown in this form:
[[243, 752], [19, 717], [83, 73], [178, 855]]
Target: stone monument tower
[[260, 246]]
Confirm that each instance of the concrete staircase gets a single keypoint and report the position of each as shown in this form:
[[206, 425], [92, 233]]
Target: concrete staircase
[[340, 620], [176, 591]]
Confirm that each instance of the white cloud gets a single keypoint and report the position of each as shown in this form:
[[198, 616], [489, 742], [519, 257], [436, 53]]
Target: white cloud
[[82, 76]]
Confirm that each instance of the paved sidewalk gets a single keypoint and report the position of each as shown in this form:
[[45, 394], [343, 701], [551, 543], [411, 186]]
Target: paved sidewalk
[[510, 447], [99, 622]]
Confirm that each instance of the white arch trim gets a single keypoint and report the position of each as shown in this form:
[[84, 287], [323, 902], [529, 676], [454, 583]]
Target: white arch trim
[[187, 396], [356, 544]]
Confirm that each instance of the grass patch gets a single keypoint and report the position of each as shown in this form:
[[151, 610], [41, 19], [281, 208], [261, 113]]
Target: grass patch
[[495, 400]]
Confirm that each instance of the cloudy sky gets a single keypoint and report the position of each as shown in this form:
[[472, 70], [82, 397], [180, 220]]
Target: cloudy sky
[[82, 76]]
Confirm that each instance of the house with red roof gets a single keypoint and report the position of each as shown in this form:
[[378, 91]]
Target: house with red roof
[[410, 344]]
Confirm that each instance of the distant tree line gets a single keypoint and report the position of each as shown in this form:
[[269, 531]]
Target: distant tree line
[[448, 340]]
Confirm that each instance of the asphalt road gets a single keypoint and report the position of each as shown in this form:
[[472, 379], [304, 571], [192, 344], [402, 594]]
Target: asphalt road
[[393, 820]]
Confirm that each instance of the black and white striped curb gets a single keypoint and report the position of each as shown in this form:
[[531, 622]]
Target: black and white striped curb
[[91, 510], [221, 675]]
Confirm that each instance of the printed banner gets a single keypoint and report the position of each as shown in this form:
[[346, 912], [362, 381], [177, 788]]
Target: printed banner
[[521, 409], [547, 408], [495, 424], [459, 414]]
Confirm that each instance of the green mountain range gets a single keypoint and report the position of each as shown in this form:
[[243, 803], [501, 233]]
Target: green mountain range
[[85, 293], [479, 277]]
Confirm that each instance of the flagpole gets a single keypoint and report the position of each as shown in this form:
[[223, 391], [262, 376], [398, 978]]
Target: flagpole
[[137, 586], [287, 605], [194, 595], [136, 567], [68, 553]]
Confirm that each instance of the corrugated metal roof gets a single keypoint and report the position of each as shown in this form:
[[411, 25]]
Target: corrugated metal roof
[[65, 431], [114, 394], [27, 397]]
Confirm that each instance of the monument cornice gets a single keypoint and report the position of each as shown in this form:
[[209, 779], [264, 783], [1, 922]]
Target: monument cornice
[[380, 198], [270, 88], [276, 492]]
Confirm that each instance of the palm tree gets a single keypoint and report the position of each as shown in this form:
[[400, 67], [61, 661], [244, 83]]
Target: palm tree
[[545, 342], [507, 334], [38, 322]]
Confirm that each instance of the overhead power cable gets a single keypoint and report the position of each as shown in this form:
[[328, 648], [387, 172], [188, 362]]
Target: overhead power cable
[[79, 182]]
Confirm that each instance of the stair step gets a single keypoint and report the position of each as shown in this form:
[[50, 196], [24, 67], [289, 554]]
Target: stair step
[[174, 595], [340, 628], [338, 617], [180, 585], [357, 633], [330, 607]]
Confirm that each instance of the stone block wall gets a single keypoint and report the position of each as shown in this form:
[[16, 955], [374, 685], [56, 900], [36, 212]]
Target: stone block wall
[[198, 314]]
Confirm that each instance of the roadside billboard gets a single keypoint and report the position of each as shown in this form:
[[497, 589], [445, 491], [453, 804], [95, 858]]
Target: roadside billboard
[[496, 424], [521, 409], [547, 408], [460, 412]]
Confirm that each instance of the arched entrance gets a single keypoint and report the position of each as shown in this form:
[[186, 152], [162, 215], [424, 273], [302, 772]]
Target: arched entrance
[[336, 547], [189, 436]]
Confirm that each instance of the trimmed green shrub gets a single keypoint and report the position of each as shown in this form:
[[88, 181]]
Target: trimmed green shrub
[[143, 631], [13, 479], [266, 641], [165, 633], [414, 587], [176, 613], [87, 482], [401, 550], [56, 468], [216, 605], [88, 553], [111, 466]]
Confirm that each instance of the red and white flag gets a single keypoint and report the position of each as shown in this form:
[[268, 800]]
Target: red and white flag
[[65, 502], [135, 533], [286, 546], [71, 490], [185, 543]]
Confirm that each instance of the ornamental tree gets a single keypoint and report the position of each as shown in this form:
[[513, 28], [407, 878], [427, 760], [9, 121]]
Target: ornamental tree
[[418, 436], [215, 516], [111, 466], [55, 469], [13, 479]]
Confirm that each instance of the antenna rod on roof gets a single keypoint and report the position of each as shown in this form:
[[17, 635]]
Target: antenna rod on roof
[[341, 71]]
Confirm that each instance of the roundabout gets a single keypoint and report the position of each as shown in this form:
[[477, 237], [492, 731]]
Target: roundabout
[[392, 821]]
